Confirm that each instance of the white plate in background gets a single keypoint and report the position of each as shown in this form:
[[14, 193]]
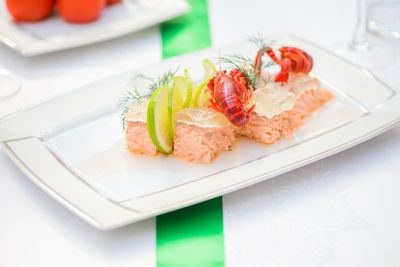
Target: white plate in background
[[54, 34]]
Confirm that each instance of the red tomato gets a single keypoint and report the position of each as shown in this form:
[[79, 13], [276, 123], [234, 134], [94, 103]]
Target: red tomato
[[111, 2], [30, 10], [80, 11]]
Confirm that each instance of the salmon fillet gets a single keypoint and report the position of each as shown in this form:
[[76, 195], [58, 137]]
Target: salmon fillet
[[201, 134], [306, 104], [269, 130], [138, 139], [137, 136]]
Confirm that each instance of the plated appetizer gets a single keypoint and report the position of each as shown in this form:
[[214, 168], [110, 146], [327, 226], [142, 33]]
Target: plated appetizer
[[196, 123]]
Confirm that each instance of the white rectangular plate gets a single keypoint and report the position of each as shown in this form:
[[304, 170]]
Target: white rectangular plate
[[53, 34], [73, 148]]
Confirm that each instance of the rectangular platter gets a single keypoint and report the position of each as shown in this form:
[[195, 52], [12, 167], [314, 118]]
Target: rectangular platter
[[73, 146]]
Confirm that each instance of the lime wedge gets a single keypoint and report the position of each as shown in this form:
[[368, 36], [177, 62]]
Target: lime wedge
[[192, 86], [158, 120], [177, 95], [203, 98], [202, 95], [189, 87], [180, 95]]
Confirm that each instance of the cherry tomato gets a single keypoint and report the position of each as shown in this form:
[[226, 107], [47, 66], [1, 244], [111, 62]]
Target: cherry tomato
[[30, 10], [80, 11], [111, 2]]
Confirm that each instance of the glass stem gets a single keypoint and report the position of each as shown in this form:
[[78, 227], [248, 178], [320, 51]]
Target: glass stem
[[359, 41]]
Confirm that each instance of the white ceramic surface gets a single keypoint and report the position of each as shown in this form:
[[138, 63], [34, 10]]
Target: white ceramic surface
[[78, 156], [54, 34]]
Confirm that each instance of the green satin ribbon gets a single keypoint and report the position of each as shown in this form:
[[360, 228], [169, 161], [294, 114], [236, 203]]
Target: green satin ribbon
[[187, 33], [192, 236]]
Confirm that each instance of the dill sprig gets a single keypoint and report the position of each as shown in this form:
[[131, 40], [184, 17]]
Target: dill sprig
[[246, 65], [261, 42], [241, 63], [135, 96], [162, 80]]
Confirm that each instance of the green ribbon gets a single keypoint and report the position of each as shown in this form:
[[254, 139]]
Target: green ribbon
[[187, 33], [192, 236]]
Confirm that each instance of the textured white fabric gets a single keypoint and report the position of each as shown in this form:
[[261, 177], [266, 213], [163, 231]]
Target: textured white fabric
[[340, 211]]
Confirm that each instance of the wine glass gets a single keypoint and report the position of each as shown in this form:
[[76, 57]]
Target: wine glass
[[359, 41], [384, 18], [9, 85], [359, 49]]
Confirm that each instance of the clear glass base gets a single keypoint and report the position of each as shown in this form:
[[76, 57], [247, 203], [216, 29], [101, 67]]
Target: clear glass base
[[384, 30], [372, 57], [9, 85], [359, 47], [384, 18]]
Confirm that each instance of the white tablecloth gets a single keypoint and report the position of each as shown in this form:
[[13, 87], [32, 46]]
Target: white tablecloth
[[340, 211]]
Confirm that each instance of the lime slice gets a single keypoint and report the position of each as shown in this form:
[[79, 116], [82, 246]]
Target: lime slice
[[203, 98], [178, 97], [158, 121], [189, 87], [202, 95], [193, 87]]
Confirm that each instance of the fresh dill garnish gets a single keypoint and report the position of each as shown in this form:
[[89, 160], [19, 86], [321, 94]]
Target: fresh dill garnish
[[246, 65], [135, 95], [243, 64], [162, 80], [261, 42]]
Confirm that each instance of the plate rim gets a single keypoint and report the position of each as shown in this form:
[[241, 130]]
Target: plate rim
[[101, 226]]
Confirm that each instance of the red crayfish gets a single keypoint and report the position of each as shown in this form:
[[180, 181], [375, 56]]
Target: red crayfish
[[291, 59], [230, 96]]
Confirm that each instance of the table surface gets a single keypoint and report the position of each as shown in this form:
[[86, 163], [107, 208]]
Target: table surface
[[340, 211]]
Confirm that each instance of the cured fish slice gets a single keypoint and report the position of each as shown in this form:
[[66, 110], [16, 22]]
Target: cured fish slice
[[282, 108], [307, 102], [137, 136], [201, 134]]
